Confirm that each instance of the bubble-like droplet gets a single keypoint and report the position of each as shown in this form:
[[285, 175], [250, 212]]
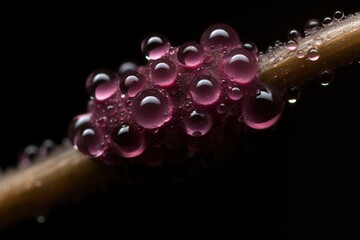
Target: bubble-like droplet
[[47, 146], [126, 140], [240, 65], [300, 54], [151, 109], [131, 83], [219, 36], [271, 57], [327, 21], [263, 110], [313, 54], [205, 90], [221, 108], [28, 155], [294, 34], [198, 123], [338, 15], [326, 77], [127, 66], [292, 94], [191, 54], [163, 72], [251, 47], [155, 46], [90, 142], [318, 40], [235, 93], [291, 45], [312, 26], [78, 123], [102, 84]]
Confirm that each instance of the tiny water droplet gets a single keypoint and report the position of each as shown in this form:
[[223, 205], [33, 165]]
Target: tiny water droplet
[[271, 57], [235, 93], [327, 21], [46, 148], [221, 108], [250, 47], [326, 77], [292, 45], [312, 26], [300, 54], [28, 155], [294, 34], [292, 94], [313, 54], [198, 123], [318, 40], [155, 46], [338, 15]]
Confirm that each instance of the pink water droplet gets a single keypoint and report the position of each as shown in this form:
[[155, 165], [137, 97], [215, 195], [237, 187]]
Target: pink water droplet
[[127, 141], [151, 109], [263, 110], [155, 46], [240, 65], [198, 123], [131, 83], [191, 54], [218, 36], [78, 123], [291, 45], [102, 84], [163, 72], [235, 93], [205, 90], [90, 142], [313, 54]]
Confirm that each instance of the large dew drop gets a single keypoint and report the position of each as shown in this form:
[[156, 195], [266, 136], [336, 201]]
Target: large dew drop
[[102, 84], [263, 110], [205, 90], [163, 72], [191, 54], [240, 65], [127, 141], [151, 109], [78, 123], [219, 36], [198, 123], [90, 142], [155, 46], [131, 83]]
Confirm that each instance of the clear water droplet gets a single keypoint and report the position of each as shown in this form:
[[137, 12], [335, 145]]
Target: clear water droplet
[[221, 109], [163, 72], [127, 66], [326, 77], [263, 110], [89, 141], [219, 36], [250, 47], [127, 141], [338, 15], [151, 109], [78, 123], [28, 155], [132, 82], [198, 123], [292, 94], [46, 147], [318, 40], [300, 54], [155, 46], [313, 54], [102, 84], [291, 45], [294, 34], [327, 21], [235, 93], [240, 66], [271, 57], [205, 90], [312, 26], [191, 54]]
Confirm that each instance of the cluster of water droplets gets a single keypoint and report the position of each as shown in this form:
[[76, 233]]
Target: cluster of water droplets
[[179, 103]]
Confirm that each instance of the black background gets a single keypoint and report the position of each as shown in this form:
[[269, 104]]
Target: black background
[[299, 180]]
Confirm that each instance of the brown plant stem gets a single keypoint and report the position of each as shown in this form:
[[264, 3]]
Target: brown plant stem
[[27, 192]]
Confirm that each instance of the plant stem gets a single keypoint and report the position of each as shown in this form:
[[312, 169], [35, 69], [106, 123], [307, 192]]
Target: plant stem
[[28, 192]]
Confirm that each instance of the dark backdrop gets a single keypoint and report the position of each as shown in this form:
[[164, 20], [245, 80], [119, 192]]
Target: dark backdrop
[[297, 181]]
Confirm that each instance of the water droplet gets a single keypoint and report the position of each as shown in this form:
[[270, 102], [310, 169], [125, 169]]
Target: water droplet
[[250, 47], [326, 77], [131, 83], [151, 109], [40, 219], [163, 72], [300, 54], [318, 40], [294, 34], [102, 84], [219, 36], [110, 110], [221, 109], [263, 110], [313, 54], [327, 21], [28, 155], [271, 57], [240, 65], [46, 148], [338, 15], [235, 93], [205, 90], [155, 46], [89, 142], [127, 66], [197, 123], [191, 54], [312, 26], [78, 123], [127, 141], [291, 45], [292, 94]]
